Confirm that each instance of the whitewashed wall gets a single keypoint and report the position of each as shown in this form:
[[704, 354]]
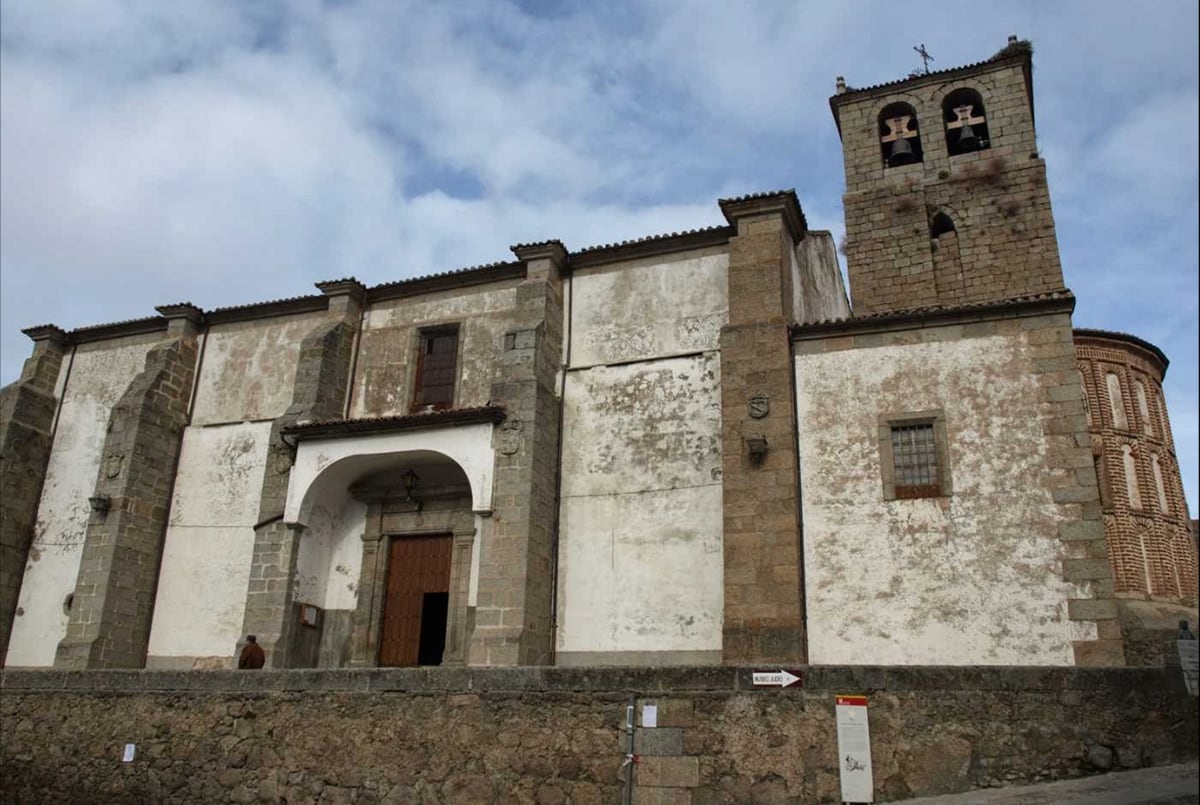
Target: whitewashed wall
[[98, 378], [249, 368], [647, 309], [209, 546], [974, 578], [330, 556], [640, 561]]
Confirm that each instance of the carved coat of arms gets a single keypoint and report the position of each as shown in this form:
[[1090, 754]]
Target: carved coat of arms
[[760, 406]]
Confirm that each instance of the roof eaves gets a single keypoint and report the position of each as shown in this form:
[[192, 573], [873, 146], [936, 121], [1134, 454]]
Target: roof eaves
[[650, 246], [940, 314], [1113, 335], [332, 428]]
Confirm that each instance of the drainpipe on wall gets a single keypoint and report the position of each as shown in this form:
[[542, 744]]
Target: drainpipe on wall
[[630, 757], [362, 320], [62, 395], [803, 591], [562, 415]]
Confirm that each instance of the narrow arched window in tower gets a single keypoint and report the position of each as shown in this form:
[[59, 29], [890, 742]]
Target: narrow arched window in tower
[[1115, 402], [947, 258], [1134, 494], [899, 135], [965, 121], [1159, 485], [1146, 575], [1143, 408]]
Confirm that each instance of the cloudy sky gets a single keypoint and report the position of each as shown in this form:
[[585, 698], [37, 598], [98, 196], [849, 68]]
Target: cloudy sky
[[231, 152]]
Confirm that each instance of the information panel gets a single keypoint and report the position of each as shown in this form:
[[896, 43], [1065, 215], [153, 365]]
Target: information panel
[[854, 749]]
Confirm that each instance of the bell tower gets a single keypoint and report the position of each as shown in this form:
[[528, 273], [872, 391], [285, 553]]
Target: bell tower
[[946, 200]]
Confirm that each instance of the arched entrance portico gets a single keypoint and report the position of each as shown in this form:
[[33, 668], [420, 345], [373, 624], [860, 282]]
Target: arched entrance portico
[[357, 545]]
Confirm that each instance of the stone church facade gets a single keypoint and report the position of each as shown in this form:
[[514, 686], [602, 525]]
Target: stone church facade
[[686, 449]]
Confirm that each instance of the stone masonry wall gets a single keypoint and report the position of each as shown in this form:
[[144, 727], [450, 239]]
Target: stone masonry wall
[[513, 616], [764, 611], [545, 735], [26, 420]]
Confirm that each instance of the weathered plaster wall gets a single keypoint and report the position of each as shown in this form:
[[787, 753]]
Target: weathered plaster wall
[[973, 578], [99, 376], [330, 558], [640, 563], [249, 367], [383, 382], [209, 545], [640, 555], [817, 288], [647, 308]]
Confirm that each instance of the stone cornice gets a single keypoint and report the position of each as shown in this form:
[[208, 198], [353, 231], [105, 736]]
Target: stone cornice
[[552, 250], [47, 332], [348, 286], [782, 202]]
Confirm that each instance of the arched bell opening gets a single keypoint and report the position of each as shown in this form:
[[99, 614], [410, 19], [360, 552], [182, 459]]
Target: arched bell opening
[[965, 122], [899, 135]]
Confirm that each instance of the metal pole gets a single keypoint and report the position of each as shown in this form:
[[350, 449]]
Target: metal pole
[[630, 758]]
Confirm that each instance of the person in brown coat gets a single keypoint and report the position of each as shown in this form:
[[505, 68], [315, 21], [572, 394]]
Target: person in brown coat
[[252, 654]]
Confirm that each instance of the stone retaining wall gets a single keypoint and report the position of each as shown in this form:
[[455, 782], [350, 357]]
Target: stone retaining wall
[[555, 735]]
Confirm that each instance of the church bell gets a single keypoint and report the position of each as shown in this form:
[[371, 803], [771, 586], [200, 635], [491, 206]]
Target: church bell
[[967, 140], [902, 154]]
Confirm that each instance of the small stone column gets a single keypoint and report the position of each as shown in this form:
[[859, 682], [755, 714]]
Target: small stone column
[[122, 550], [27, 409], [460, 581], [764, 600], [364, 640]]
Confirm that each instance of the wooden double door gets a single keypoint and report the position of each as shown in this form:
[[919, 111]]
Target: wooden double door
[[416, 601]]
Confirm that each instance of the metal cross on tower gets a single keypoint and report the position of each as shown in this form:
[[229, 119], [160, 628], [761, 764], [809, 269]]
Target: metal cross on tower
[[925, 57]]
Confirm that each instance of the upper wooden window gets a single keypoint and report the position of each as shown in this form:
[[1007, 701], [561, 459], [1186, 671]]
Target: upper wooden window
[[437, 368]]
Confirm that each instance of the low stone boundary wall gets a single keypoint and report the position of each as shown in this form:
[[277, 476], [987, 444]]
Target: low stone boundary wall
[[555, 735]]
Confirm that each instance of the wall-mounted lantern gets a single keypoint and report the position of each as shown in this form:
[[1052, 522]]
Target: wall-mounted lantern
[[410, 479], [100, 504], [757, 445]]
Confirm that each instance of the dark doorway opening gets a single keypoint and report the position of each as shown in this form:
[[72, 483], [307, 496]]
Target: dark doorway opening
[[433, 628]]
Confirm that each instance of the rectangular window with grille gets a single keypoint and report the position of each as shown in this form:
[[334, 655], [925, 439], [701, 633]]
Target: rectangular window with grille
[[913, 456], [914, 453], [437, 367]]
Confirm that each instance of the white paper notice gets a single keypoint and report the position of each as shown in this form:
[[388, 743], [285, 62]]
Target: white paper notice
[[854, 749], [649, 715], [130, 750]]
